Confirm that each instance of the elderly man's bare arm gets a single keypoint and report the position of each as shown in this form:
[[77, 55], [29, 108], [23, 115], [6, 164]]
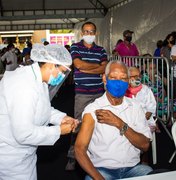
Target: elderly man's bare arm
[[81, 146]]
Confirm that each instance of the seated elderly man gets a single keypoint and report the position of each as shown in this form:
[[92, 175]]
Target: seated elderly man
[[143, 94], [113, 131]]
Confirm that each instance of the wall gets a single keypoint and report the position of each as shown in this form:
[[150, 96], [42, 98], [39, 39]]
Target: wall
[[39, 36], [151, 20]]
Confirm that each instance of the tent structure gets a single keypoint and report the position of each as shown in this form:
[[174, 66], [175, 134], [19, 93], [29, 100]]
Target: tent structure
[[50, 14], [151, 20]]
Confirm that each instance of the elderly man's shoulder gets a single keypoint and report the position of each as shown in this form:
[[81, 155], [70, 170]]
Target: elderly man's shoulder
[[145, 88]]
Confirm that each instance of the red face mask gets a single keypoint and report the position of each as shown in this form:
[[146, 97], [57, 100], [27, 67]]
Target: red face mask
[[132, 91]]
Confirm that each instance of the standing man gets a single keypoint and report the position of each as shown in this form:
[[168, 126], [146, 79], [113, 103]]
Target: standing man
[[89, 62]]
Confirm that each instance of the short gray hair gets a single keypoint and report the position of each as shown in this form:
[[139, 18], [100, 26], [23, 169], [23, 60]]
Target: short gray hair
[[131, 69], [107, 69]]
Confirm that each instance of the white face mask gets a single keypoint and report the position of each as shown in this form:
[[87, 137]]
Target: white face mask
[[89, 39], [13, 50]]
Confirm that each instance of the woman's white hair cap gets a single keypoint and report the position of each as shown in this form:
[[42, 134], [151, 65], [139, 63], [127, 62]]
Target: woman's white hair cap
[[51, 53]]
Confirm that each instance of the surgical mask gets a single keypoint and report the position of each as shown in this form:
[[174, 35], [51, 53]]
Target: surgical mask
[[89, 39], [129, 38], [135, 82], [116, 88], [56, 81]]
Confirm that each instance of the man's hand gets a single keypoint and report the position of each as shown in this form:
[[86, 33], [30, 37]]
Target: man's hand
[[10, 62], [107, 117], [148, 115], [68, 125]]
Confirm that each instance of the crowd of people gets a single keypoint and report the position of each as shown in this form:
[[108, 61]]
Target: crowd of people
[[114, 110]]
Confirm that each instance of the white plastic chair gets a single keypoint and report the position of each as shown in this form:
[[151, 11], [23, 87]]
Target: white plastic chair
[[173, 131], [154, 152]]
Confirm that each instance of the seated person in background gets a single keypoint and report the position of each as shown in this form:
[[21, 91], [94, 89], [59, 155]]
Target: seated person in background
[[142, 94], [113, 131], [152, 78], [145, 97]]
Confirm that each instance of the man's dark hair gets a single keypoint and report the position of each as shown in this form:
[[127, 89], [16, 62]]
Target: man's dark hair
[[45, 43], [29, 44], [165, 42], [10, 45], [159, 44], [89, 23], [41, 64]]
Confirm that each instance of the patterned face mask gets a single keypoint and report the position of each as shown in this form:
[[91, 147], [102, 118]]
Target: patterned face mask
[[135, 82]]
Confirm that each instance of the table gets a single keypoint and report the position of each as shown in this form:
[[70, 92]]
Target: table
[[160, 176]]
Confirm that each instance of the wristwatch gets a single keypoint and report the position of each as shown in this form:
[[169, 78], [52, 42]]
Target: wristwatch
[[123, 129]]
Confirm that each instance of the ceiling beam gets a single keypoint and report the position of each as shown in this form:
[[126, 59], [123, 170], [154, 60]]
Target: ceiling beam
[[43, 4], [99, 6], [50, 14], [18, 27], [120, 3]]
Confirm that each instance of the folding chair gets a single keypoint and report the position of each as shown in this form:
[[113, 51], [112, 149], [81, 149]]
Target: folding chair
[[173, 131]]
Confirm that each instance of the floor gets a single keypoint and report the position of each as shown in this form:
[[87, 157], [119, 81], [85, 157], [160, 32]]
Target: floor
[[53, 159]]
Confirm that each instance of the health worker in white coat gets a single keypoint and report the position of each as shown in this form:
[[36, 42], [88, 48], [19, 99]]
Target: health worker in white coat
[[26, 112]]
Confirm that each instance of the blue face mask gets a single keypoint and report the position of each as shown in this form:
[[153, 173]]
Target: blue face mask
[[56, 81], [116, 88]]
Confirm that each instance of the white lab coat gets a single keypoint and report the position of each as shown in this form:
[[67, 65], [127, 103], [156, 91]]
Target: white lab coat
[[25, 112], [147, 100]]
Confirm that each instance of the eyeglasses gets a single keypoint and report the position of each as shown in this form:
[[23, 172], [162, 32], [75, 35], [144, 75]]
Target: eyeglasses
[[89, 32]]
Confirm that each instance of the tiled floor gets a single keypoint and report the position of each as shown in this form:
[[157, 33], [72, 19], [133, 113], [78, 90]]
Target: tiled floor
[[52, 160]]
